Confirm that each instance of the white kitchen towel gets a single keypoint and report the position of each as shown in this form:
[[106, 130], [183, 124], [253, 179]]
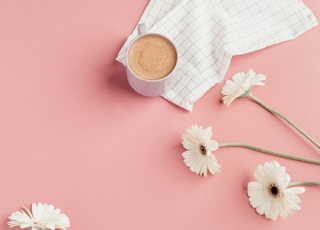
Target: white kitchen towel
[[207, 33]]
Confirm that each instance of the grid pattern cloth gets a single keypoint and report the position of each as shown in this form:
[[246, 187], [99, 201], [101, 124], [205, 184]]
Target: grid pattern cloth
[[207, 33]]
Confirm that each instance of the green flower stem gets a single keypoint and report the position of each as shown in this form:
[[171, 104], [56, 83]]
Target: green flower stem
[[304, 183], [264, 105], [270, 152]]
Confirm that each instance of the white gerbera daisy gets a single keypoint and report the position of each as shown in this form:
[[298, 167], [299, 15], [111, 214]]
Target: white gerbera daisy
[[41, 217], [240, 85], [198, 157], [199, 147], [270, 195]]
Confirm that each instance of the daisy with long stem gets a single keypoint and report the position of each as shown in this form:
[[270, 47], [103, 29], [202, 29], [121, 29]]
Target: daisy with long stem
[[241, 85], [273, 194], [199, 147]]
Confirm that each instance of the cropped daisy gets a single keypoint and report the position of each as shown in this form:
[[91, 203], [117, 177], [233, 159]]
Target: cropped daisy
[[241, 85], [272, 194], [199, 146], [41, 217]]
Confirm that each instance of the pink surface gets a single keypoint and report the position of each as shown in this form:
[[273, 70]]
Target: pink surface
[[73, 133]]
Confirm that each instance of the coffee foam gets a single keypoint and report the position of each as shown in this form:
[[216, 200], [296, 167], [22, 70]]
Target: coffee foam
[[152, 57]]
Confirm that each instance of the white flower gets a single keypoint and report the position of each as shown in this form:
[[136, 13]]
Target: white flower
[[41, 217], [270, 195], [240, 85], [198, 157]]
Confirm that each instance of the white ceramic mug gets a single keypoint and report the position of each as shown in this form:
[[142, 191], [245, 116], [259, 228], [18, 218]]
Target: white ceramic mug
[[142, 85]]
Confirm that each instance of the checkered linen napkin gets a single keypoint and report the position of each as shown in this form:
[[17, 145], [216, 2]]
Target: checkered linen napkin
[[207, 33]]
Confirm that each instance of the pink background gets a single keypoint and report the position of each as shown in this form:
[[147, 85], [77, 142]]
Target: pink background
[[73, 133]]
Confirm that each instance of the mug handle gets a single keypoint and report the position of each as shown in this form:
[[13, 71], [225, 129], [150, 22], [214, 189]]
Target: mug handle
[[142, 29]]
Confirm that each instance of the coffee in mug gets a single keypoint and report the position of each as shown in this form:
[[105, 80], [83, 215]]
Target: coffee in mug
[[151, 60], [152, 57]]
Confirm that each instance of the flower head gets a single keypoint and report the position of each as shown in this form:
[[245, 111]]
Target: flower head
[[240, 85], [270, 195], [41, 217], [199, 146]]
